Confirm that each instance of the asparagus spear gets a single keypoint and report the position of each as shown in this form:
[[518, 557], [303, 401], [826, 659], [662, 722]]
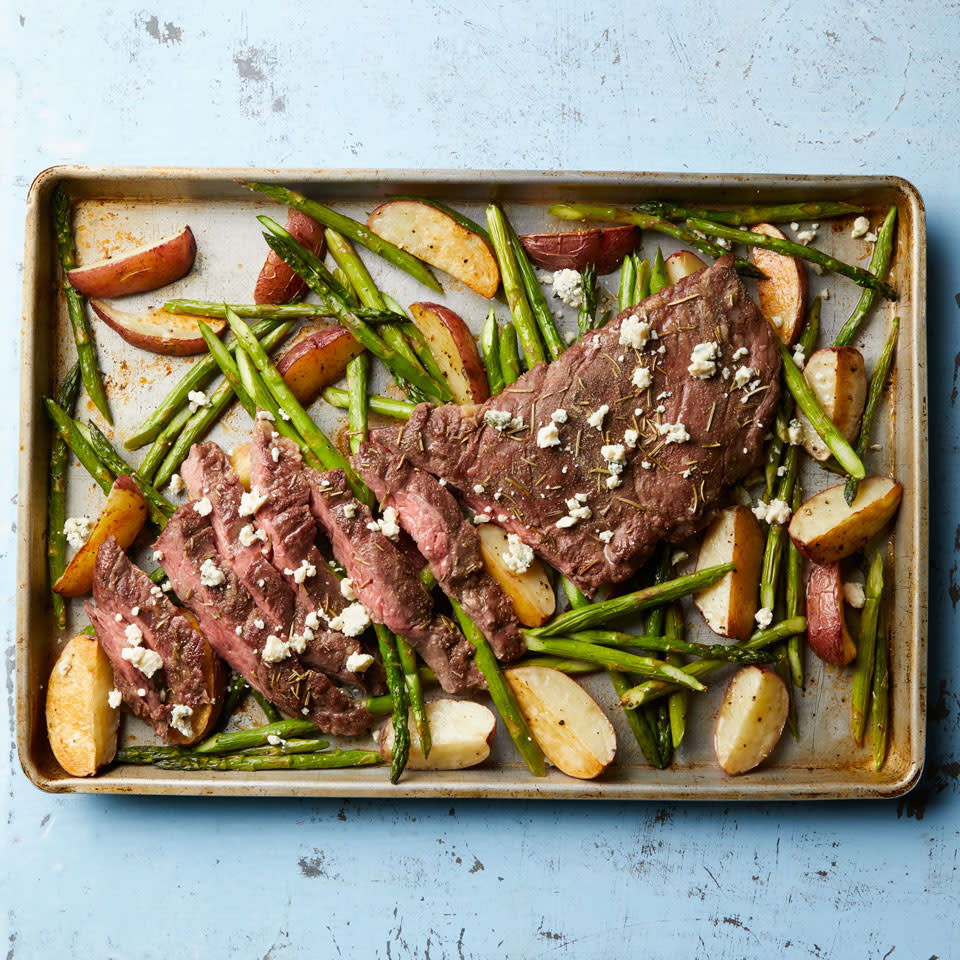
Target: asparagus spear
[[866, 649], [349, 228], [879, 264], [794, 599], [237, 689], [255, 736], [807, 401], [588, 211], [306, 263], [679, 701], [587, 311], [269, 710], [249, 311], [396, 684], [357, 409], [658, 273], [330, 760], [877, 383], [776, 213], [411, 677], [70, 431], [787, 247], [147, 754], [600, 613], [563, 664], [644, 276], [733, 652], [56, 502], [490, 348], [76, 304], [385, 406], [230, 369], [509, 354], [164, 441], [777, 533], [502, 694], [523, 318], [628, 283], [881, 688], [658, 714]]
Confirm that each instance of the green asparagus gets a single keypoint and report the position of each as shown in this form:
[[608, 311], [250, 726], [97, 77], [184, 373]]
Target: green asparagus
[[73, 436], [248, 311], [256, 736], [776, 213], [329, 760], [490, 349], [509, 354], [863, 670], [881, 688], [396, 684], [385, 406]]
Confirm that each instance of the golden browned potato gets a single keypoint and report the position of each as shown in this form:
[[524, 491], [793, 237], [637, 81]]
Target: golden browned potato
[[573, 732], [730, 604], [530, 591], [240, 461], [461, 732], [81, 724], [681, 264], [316, 361], [172, 334], [122, 518], [825, 529], [827, 632], [205, 716], [782, 296], [454, 349], [750, 720], [839, 379]]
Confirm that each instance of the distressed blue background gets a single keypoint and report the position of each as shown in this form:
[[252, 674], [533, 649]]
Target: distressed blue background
[[871, 88]]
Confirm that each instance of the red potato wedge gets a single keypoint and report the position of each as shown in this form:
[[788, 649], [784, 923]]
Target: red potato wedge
[[825, 529], [730, 604], [137, 271], [454, 349], [573, 732], [827, 632], [681, 264], [750, 720], [602, 247], [122, 517], [205, 716], [782, 296], [240, 461], [461, 733], [318, 360], [838, 377], [278, 283], [436, 238], [531, 592], [172, 334], [81, 724]]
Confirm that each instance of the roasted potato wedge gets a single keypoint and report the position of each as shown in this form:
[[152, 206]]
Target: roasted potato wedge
[[730, 604], [782, 296], [240, 461], [573, 732], [839, 379], [122, 517], [81, 724], [316, 361], [454, 349], [438, 239], [750, 720], [278, 283], [530, 592], [461, 732], [139, 270], [601, 247], [205, 716], [825, 529], [172, 334], [681, 264], [827, 632]]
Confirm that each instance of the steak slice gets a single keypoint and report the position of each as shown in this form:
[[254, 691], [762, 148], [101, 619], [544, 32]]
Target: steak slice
[[433, 518], [231, 622], [209, 476], [164, 666], [588, 464], [387, 585], [276, 471]]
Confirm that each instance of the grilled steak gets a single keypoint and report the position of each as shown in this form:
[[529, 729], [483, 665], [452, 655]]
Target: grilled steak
[[588, 463], [157, 657], [387, 585], [430, 514], [232, 624], [276, 471]]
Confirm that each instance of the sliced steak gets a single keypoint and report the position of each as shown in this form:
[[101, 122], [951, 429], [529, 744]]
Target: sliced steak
[[589, 465], [212, 482], [433, 518], [387, 585], [232, 624], [157, 657], [276, 471]]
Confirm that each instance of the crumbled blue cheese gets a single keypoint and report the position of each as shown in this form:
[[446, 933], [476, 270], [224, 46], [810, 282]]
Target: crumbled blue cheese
[[636, 333], [133, 634], [678, 557], [739, 354], [809, 234], [349, 510], [155, 591], [180, 715], [157, 556], [742, 377], [702, 365], [478, 488], [481, 518], [775, 512], [359, 662], [114, 698], [631, 437], [275, 454], [860, 226], [795, 432], [764, 617], [203, 506], [77, 530], [176, 484], [502, 420], [266, 415], [566, 287], [248, 536], [251, 502], [346, 589], [283, 414], [312, 621], [605, 536], [274, 650], [799, 358], [259, 624], [305, 570], [641, 378], [854, 595], [197, 399], [210, 574], [674, 432], [148, 662], [615, 454], [559, 415], [646, 464], [387, 524], [352, 620], [518, 556], [577, 510], [596, 418], [547, 436]]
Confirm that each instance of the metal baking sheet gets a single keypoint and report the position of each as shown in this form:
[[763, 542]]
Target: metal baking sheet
[[118, 207]]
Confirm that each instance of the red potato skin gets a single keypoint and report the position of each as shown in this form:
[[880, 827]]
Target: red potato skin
[[277, 282], [785, 275], [827, 632], [175, 335], [603, 247], [318, 360], [139, 270], [468, 356]]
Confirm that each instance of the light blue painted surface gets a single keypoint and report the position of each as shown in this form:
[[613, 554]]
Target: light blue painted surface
[[764, 88]]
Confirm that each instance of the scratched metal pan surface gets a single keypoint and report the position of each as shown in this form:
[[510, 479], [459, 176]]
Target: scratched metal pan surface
[[120, 207]]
